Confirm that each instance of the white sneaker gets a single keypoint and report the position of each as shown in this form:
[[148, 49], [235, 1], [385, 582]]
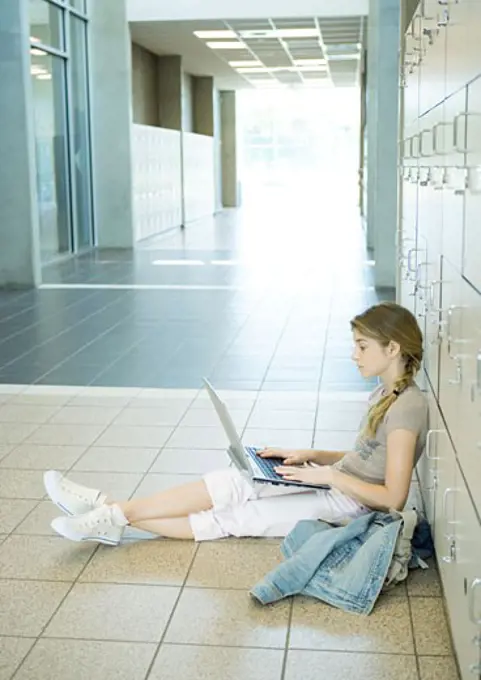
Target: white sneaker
[[72, 498], [102, 525]]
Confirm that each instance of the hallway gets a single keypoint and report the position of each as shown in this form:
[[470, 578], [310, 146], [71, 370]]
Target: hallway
[[255, 299], [116, 345]]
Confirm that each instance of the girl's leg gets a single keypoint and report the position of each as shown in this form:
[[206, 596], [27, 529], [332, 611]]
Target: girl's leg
[[177, 527], [180, 502]]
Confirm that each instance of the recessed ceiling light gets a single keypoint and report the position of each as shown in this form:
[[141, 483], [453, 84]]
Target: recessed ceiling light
[[255, 69], [213, 35], [297, 33], [225, 45], [241, 64], [35, 70], [37, 52], [281, 33], [34, 39], [44, 76], [321, 67], [344, 57], [309, 62]]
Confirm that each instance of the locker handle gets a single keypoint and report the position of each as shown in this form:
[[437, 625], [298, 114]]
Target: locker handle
[[428, 444], [449, 337], [447, 491], [478, 370], [435, 135], [421, 138], [472, 593]]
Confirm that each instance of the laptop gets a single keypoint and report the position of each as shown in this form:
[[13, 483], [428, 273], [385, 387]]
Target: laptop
[[245, 458]]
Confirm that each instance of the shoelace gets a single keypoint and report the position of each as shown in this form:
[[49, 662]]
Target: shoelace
[[73, 492], [95, 521]]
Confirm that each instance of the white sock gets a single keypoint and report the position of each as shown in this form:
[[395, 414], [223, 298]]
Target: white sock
[[118, 516]]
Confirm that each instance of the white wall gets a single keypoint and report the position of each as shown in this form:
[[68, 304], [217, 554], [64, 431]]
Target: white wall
[[157, 185], [199, 176], [188, 10]]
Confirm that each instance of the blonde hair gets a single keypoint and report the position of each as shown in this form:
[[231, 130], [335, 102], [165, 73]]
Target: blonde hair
[[389, 322]]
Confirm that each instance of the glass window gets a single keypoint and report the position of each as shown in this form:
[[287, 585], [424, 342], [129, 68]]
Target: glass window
[[81, 134], [48, 87], [45, 23]]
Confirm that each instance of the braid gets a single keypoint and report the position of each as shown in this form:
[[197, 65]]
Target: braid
[[380, 408]]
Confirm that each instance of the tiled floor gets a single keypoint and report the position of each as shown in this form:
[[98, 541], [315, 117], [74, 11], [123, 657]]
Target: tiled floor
[[267, 308], [167, 610], [100, 373]]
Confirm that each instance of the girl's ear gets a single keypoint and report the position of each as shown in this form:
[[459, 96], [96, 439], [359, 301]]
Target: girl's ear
[[394, 349]]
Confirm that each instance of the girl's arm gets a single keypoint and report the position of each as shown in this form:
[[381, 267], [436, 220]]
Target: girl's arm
[[401, 447], [323, 457]]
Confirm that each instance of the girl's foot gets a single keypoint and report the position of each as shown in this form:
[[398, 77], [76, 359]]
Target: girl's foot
[[71, 498]]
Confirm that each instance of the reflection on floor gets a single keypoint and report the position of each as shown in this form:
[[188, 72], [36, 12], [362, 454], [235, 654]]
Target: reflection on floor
[[261, 301], [168, 610]]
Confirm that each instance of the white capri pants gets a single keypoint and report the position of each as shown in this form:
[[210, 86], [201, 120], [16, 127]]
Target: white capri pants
[[241, 507]]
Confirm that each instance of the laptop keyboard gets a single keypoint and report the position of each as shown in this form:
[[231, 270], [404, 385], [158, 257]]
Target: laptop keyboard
[[267, 465]]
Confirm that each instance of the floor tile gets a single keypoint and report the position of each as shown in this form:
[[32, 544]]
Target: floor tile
[[18, 615], [154, 417], [334, 440], [12, 512], [190, 461], [329, 419], [216, 663], [22, 413], [42, 457], [128, 612], [237, 564], [116, 459], [66, 435], [437, 668], [5, 450], [154, 483], [198, 438], [433, 641], [21, 484], [424, 582], [43, 558], [319, 626], [282, 420], [38, 521], [87, 660], [12, 652], [15, 433], [297, 439], [156, 562], [117, 485], [207, 417], [143, 437], [86, 415], [306, 665], [227, 617]]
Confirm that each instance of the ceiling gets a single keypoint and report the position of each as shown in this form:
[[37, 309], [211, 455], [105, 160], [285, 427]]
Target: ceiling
[[280, 52]]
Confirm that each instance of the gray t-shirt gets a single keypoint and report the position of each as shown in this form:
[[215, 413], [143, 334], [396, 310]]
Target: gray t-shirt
[[368, 459]]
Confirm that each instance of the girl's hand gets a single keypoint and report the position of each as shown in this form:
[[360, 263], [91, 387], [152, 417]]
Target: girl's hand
[[291, 457], [310, 475]]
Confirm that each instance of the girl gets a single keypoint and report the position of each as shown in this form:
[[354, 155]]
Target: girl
[[376, 475]]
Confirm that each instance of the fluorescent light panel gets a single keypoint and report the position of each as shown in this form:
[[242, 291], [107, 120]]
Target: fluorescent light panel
[[220, 45], [245, 64], [214, 35]]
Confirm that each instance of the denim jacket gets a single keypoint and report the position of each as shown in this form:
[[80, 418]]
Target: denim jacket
[[345, 566]]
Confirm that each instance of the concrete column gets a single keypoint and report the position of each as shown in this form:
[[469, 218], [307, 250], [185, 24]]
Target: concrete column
[[203, 105], [384, 37], [230, 182], [170, 92], [110, 82], [19, 229]]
